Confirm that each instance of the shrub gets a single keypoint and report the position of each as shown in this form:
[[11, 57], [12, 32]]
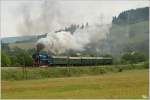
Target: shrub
[[120, 69], [146, 64], [133, 57], [24, 59], [5, 59]]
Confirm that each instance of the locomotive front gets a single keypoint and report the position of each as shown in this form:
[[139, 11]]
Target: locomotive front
[[41, 58]]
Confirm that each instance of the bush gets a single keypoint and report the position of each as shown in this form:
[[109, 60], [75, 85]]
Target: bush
[[5, 59], [24, 59], [16, 57], [133, 57], [14, 62], [146, 64], [119, 69]]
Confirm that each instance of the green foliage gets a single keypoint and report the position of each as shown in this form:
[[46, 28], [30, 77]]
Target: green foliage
[[14, 61], [16, 57], [5, 59], [23, 58], [146, 64], [133, 57], [31, 51], [12, 74], [5, 46]]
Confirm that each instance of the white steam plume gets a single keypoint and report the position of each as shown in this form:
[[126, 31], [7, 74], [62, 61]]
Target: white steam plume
[[60, 42], [50, 18]]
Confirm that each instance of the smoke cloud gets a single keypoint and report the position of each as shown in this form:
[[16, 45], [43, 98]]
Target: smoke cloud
[[60, 42], [50, 19]]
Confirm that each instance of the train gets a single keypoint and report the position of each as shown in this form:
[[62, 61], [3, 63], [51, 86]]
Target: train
[[44, 59]]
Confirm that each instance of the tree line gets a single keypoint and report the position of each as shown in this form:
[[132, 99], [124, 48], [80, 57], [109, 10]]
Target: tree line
[[16, 57], [132, 16]]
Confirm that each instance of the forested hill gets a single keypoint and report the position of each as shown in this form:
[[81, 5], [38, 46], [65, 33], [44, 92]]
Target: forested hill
[[130, 32], [132, 16]]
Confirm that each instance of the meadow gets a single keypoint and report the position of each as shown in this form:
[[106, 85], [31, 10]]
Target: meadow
[[128, 84]]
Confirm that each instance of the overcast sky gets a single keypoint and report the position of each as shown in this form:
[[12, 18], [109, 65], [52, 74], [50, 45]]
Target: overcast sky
[[64, 13]]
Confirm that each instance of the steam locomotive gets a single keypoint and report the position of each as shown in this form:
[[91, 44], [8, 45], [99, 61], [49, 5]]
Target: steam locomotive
[[43, 59]]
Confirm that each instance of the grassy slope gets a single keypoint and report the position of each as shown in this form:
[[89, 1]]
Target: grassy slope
[[127, 84], [23, 45]]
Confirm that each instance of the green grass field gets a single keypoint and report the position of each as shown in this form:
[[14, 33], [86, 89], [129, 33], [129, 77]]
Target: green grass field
[[126, 84]]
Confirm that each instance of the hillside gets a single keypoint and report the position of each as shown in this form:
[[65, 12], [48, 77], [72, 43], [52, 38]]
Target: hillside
[[23, 45], [129, 32], [22, 39], [130, 37]]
